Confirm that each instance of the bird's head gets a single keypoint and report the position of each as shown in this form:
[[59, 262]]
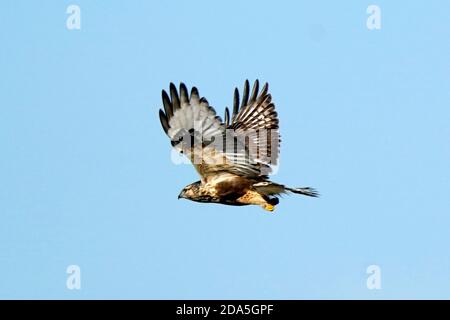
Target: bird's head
[[191, 191]]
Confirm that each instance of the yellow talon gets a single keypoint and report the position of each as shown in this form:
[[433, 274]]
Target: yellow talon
[[269, 207]]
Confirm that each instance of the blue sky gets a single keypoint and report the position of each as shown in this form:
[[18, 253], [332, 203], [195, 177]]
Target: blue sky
[[87, 178]]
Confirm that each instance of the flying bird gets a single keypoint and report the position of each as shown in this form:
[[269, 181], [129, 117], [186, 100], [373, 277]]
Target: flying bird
[[233, 156]]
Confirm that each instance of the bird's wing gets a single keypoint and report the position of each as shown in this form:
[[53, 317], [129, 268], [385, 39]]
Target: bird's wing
[[255, 117], [215, 147], [190, 122]]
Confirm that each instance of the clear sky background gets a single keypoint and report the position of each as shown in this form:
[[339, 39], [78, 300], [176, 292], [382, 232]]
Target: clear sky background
[[87, 180]]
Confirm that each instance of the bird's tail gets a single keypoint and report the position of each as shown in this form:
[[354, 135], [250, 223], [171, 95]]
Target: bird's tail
[[271, 188], [307, 191]]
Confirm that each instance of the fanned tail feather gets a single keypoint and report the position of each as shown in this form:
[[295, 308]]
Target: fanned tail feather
[[307, 191], [271, 188]]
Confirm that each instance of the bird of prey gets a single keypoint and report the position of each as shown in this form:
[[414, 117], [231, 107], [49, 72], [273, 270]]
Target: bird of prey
[[233, 157]]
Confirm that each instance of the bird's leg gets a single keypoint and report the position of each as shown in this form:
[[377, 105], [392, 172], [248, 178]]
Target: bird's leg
[[253, 197]]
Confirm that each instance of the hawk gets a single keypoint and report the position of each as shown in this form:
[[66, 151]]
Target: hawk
[[233, 157]]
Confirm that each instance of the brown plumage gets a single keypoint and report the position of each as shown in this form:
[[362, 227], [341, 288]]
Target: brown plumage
[[233, 157]]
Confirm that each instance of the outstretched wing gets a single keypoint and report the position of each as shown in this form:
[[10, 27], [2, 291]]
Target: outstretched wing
[[215, 147], [256, 119], [192, 124]]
